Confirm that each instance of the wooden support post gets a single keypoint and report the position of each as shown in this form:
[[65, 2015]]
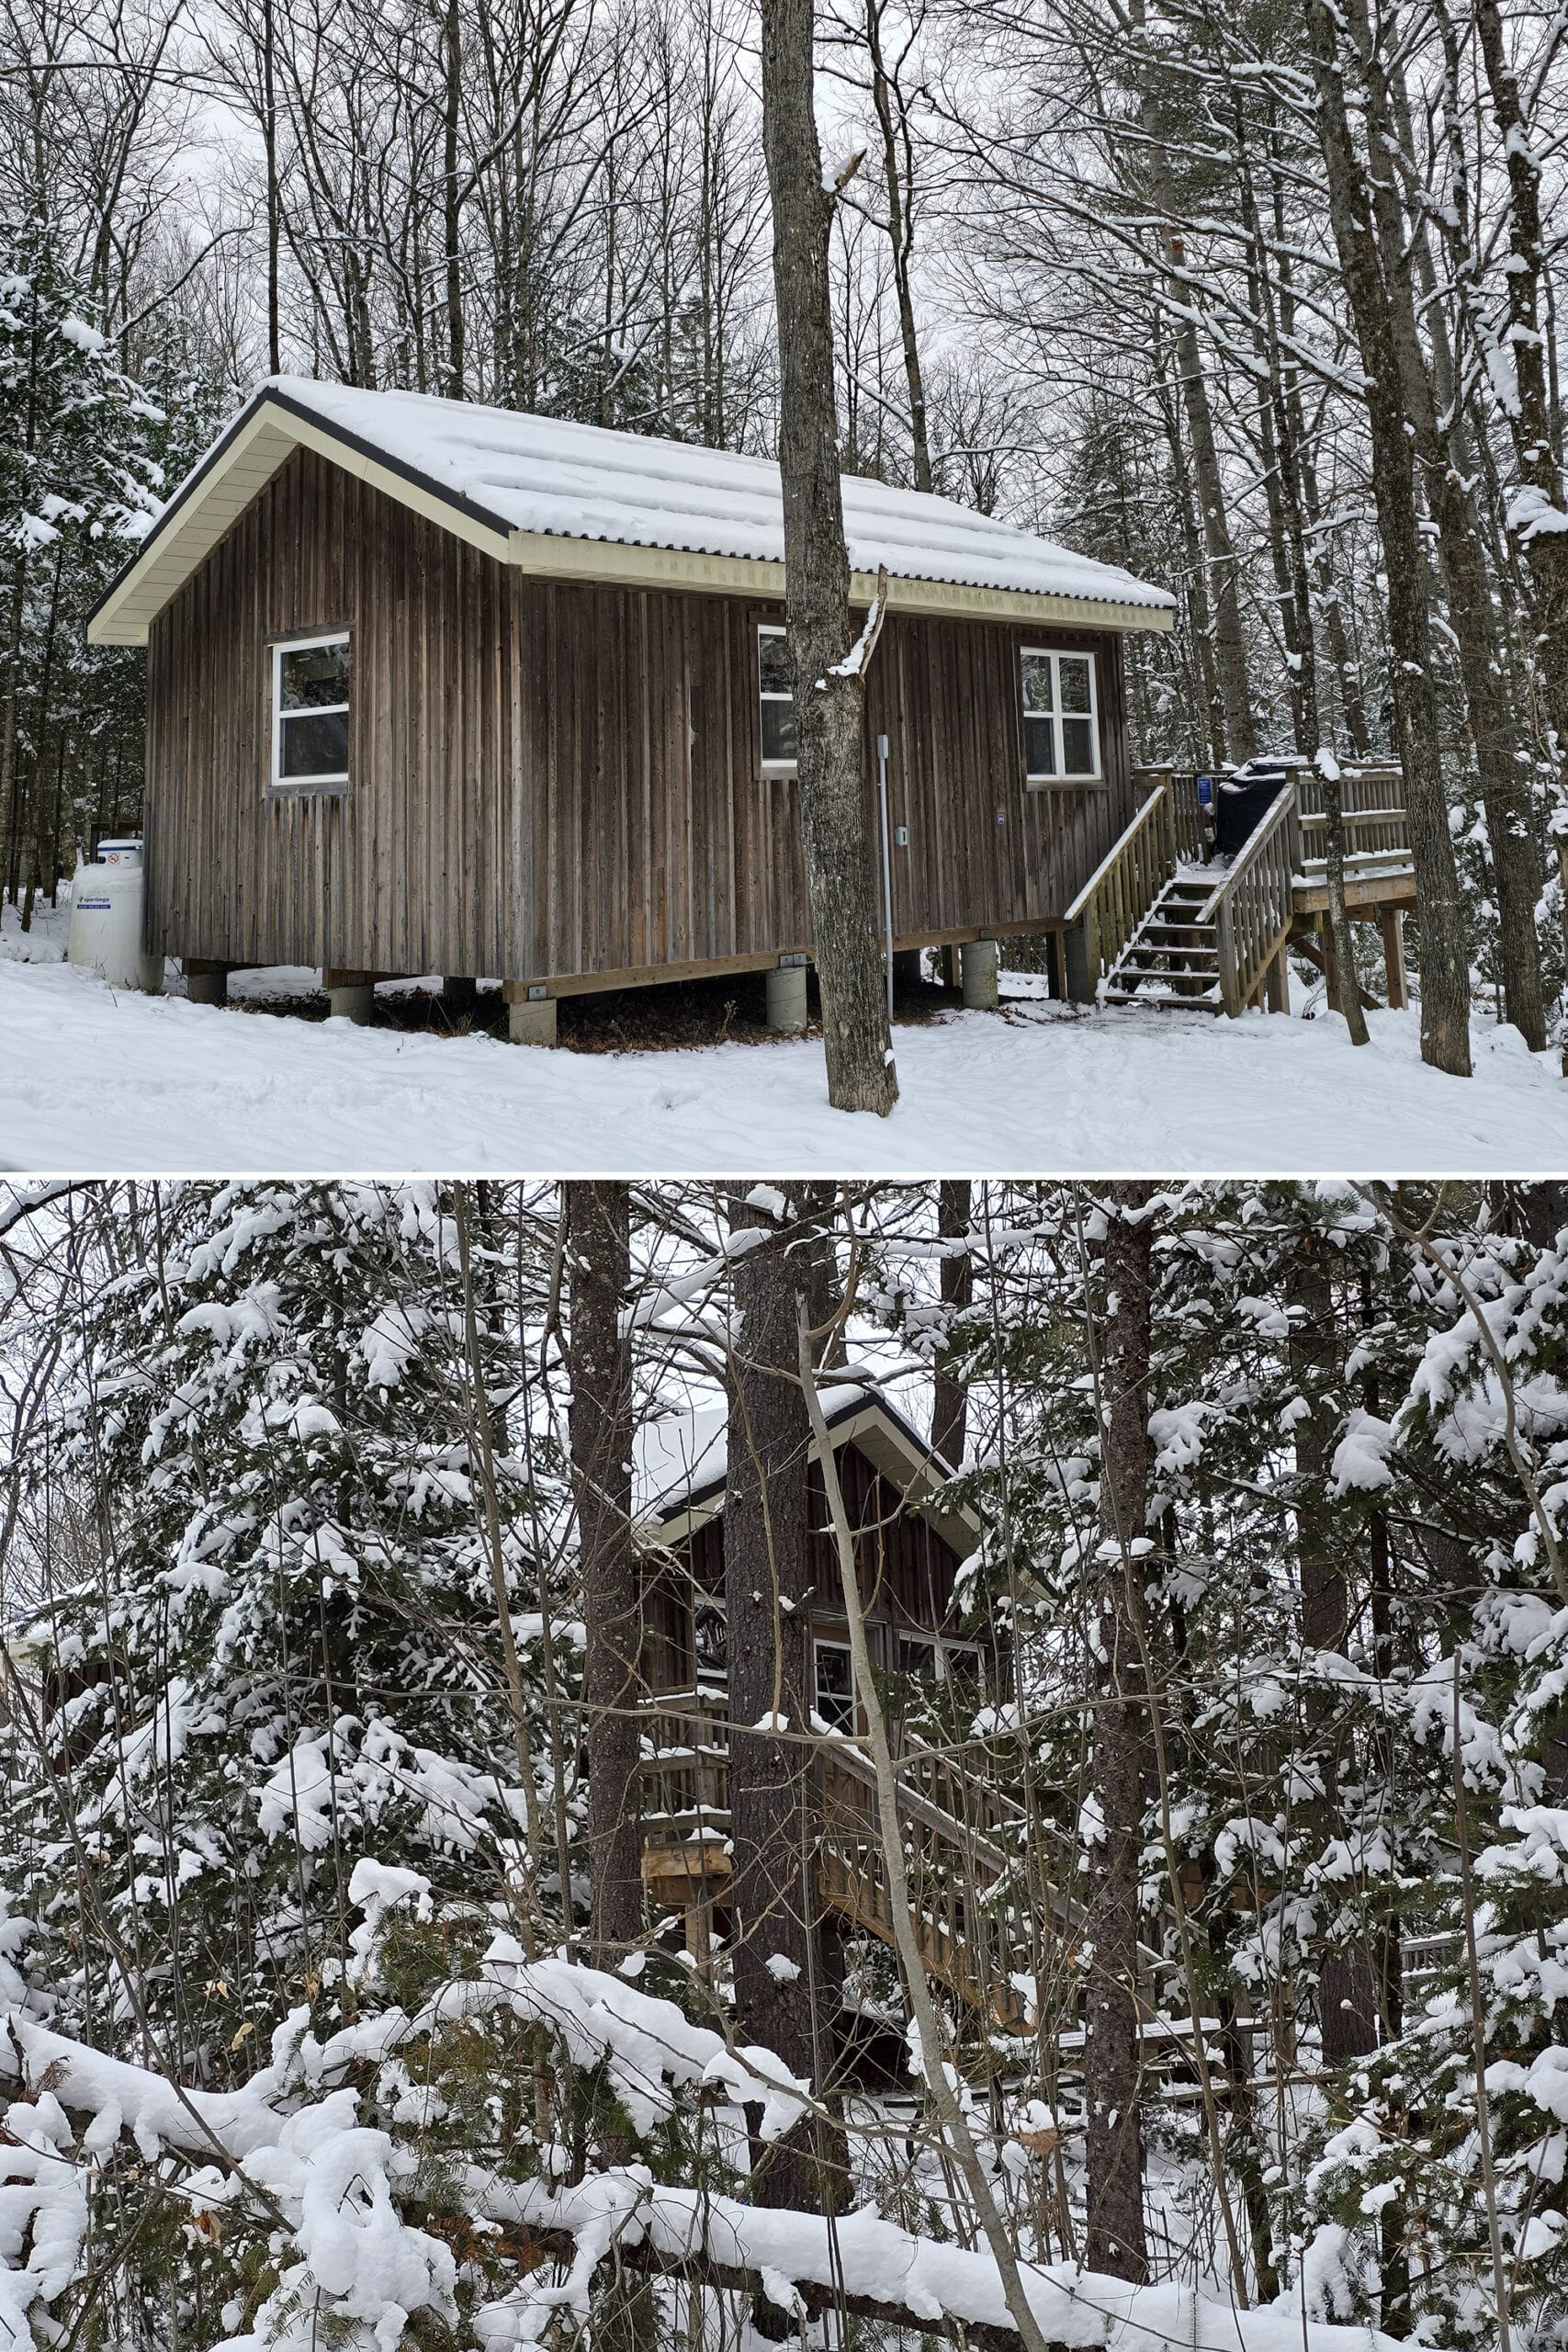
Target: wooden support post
[[1080, 964], [948, 965], [1330, 979], [1391, 921], [1279, 981]]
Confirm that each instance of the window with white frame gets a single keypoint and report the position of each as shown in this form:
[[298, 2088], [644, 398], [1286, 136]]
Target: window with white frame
[[309, 711], [928, 1660], [775, 695], [835, 1678], [1061, 722]]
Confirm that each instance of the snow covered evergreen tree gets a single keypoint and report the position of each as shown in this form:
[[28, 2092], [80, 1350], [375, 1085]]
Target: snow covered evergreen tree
[[285, 1652]]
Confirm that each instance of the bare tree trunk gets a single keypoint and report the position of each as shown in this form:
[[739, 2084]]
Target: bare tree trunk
[[274, 205], [767, 1589], [898, 173], [1116, 2239], [598, 1252], [940, 2077], [1224, 570], [451, 200], [1515, 861], [1347, 1988], [830, 689], [1445, 972], [950, 1401], [1536, 517], [1287, 496]]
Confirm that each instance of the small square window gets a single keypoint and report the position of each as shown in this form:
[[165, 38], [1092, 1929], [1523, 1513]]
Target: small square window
[[775, 696], [1061, 722], [309, 711]]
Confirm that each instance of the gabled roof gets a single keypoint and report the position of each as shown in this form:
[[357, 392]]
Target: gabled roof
[[576, 501], [679, 1465]]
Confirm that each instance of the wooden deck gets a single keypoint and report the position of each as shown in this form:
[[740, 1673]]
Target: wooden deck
[[1146, 931]]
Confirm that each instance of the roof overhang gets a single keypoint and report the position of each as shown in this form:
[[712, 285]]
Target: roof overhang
[[264, 435], [889, 1445]]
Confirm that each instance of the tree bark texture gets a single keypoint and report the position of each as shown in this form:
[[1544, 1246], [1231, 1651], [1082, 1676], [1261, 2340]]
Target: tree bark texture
[[598, 1245], [1116, 2239], [1347, 1980], [1445, 971], [1515, 861], [1219, 547], [950, 1400], [767, 1580], [829, 702], [1545, 549]]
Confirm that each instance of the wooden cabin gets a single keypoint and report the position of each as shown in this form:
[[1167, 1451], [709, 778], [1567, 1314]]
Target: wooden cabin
[[910, 1543], [433, 687], [911, 1540]]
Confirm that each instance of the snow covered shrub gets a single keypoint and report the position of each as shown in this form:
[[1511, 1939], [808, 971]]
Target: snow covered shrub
[[418, 2172]]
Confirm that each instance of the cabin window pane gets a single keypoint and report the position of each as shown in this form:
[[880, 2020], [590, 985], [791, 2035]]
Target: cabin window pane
[[1078, 747], [917, 1657], [316, 743], [1040, 746], [710, 1641], [1060, 729], [835, 1686], [776, 698], [1075, 682], [309, 711], [1038, 687]]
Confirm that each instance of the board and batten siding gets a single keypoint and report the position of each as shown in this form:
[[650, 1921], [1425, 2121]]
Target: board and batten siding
[[552, 780]]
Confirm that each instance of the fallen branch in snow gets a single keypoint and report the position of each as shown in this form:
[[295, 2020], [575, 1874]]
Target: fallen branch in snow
[[701, 2269]]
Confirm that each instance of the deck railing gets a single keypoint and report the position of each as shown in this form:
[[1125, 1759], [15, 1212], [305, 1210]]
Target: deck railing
[[1126, 884], [1376, 833], [1251, 903], [1190, 832]]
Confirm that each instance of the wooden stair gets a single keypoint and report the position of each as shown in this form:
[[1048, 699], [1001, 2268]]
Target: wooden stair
[[964, 1841], [986, 1932], [1173, 956]]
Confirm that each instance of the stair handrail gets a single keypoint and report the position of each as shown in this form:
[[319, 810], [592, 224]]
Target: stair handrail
[[1130, 875], [1119, 846], [1240, 972], [1250, 851]]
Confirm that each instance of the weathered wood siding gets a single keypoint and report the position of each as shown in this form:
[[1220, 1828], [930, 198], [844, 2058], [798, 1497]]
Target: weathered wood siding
[[549, 780], [906, 1572]]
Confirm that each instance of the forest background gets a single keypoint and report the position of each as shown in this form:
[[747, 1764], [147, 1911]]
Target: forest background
[[1190, 287]]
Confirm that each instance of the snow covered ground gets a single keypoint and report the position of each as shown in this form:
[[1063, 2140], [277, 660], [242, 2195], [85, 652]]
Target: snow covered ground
[[95, 1081]]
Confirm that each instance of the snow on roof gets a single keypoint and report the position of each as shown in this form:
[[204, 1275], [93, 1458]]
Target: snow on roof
[[522, 485], [684, 1456], [580, 482]]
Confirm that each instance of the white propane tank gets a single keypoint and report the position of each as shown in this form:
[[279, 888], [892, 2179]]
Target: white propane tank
[[106, 920]]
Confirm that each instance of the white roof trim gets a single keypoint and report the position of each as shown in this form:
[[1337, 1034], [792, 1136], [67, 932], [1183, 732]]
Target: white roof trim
[[286, 417]]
